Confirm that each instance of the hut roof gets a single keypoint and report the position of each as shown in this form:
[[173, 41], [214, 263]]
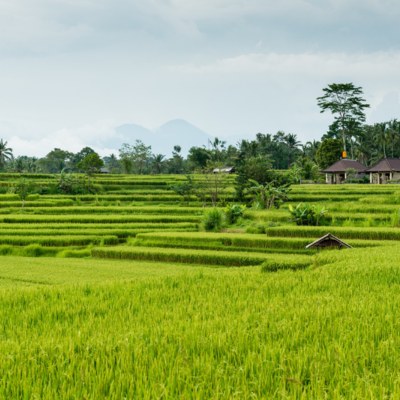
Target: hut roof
[[386, 165], [227, 170], [328, 240], [345, 164]]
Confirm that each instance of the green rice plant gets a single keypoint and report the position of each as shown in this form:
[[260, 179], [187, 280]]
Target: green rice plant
[[395, 218], [33, 250], [5, 249], [93, 218], [256, 228], [375, 233], [191, 256], [296, 262], [71, 253], [52, 241], [132, 210], [79, 328]]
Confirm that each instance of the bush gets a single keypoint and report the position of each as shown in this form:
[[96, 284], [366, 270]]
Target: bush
[[256, 228], [233, 212], [213, 220], [306, 214]]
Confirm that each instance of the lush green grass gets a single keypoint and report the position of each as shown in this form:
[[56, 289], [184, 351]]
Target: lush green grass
[[96, 329]]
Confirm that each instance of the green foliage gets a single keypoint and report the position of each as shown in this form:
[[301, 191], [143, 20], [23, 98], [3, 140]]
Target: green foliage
[[135, 158], [198, 158], [82, 253], [213, 220], [5, 250], [107, 318], [268, 195], [328, 152], [71, 184], [294, 263], [185, 189], [5, 154], [307, 214], [55, 161], [345, 102], [90, 164], [22, 188], [233, 212], [187, 256], [33, 250], [256, 228]]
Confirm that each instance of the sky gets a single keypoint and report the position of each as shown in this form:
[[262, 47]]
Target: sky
[[71, 71]]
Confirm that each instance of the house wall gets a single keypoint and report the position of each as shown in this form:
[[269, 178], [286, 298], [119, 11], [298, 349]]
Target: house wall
[[335, 178], [383, 177]]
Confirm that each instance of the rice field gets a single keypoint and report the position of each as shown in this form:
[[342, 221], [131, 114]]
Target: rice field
[[121, 294]]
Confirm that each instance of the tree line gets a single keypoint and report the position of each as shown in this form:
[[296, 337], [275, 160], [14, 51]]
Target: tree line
[[266, 152]]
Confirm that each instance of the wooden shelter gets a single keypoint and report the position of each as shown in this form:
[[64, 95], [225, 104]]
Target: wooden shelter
[[385, 170], [328, 240], [337, 172]]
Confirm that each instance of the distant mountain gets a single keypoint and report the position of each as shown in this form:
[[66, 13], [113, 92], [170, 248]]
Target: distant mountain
[[163, 139]]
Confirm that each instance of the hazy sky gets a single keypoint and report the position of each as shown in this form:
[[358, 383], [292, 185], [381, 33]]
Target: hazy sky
[[73, 70]]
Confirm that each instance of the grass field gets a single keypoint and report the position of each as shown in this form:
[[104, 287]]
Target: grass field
[[94, 329], [113, 296]]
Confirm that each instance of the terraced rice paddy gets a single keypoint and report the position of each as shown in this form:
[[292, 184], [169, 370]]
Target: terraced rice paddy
[[121, 295]]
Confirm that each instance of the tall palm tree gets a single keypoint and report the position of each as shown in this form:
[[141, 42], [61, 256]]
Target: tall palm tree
[[158, 163], [381, 136], [5, 153], [292, 146], [310, 149], [393, 131]]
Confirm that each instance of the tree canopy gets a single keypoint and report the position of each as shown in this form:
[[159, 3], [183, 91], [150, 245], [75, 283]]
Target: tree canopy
[[345, 102]]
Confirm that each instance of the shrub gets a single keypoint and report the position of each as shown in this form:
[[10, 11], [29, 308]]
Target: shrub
[[213, 220], [306, 214], [256, 228], [233, 212]]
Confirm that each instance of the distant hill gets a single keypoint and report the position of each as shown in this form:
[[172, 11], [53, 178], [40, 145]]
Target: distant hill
[[163, 139]]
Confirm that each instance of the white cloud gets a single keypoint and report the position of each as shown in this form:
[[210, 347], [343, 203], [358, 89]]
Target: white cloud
[[322, 64], [96, 136], [232, 67]]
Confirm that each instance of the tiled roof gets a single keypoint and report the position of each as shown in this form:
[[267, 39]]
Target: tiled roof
[[386, 165], [343, 165]]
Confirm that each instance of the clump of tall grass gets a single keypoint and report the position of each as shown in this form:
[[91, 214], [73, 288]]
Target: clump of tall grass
[[71, 253], [293, 263], [213, 220]]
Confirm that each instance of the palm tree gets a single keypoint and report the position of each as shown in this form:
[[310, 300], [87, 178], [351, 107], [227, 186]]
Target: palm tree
[[381, 136], [393, 130], [310, 149], [268, 195], [5, 153], [292, 146], [158, 163]]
